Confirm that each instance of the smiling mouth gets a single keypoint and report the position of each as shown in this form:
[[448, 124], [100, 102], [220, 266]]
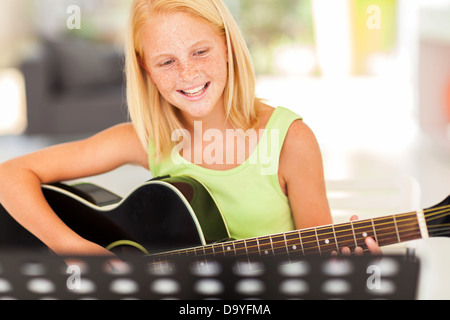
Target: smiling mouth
[[196, 91]]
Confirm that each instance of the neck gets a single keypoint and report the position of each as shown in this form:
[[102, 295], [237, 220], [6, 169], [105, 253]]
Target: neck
[[216, 118], [320, 240]]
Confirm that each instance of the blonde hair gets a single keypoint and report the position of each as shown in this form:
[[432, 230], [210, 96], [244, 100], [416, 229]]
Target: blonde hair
[[153, 117]]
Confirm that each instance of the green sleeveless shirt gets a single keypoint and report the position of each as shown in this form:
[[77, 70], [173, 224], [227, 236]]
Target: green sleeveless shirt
[[249, 196]]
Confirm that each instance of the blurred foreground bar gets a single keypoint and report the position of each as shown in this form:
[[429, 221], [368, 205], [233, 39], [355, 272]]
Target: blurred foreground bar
[[31, 276]]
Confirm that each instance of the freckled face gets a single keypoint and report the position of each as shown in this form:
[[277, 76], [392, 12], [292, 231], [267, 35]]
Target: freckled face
[[187, 61]]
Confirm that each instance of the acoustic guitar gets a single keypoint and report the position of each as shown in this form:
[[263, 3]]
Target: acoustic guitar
[[178, 216]]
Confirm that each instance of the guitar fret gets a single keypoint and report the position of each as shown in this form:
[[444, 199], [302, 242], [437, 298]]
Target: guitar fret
[[271, 245], [252, 247], [215, 250], [191, 252], [354, 236], [201, 251], [293, 244], [301, 242], [386, 230], [279, 244], [317, 239], [241, 248], [374, 232], [309, 241], [343, 238], [396, 228], [265, 246], [230, 250], [362, 230], [408, 227], [221, 250], [286, 247], [201, 259], [326, 239], [209, 251], [335, 239], [181, 253]]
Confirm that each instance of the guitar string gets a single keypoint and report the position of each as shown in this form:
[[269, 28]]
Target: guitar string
[[413, 219], [355, 223], [305, 243], [304, 237], [438, 213], [249, 249], [247, 254], [441, 230], [318, 230]]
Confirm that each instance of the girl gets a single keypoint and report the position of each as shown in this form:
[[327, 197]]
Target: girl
[[188, 70]]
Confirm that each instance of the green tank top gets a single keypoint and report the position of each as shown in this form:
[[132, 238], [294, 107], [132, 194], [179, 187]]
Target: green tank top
[[249, 196]]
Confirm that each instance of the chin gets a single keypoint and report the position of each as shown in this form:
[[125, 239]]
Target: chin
[[199, 113]]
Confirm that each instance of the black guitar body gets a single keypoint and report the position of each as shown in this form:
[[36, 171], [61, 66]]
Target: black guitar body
[[158, 216]]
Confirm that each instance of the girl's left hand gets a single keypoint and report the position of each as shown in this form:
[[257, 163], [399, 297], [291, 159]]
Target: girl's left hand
[[374, 248]]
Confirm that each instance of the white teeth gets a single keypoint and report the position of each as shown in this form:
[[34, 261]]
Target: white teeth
[[194, 91]]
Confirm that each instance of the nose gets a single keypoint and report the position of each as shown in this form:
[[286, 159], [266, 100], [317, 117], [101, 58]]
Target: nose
[[188, 71]]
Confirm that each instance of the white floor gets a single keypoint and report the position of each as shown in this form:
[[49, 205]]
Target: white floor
[[367, 131]]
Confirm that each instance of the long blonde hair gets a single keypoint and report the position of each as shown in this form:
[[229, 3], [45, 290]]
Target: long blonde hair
[[153, 117]]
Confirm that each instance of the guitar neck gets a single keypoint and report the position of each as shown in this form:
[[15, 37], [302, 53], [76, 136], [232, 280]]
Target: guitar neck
[[320, 240]]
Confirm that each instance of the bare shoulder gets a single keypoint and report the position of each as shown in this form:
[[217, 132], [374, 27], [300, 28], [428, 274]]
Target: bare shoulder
[[300, 141], [264, 112], [300, 155]]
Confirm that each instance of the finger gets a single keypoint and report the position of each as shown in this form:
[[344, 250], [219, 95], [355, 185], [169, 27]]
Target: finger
[[373, 246], [354, 218], [359, 251], [346, 251]]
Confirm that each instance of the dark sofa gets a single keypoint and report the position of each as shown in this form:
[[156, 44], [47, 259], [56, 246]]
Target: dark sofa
[[74, 86]]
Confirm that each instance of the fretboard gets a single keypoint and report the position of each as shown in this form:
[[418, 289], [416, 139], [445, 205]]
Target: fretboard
[[321, 240]]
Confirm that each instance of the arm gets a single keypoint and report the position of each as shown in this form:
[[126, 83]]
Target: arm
[[301, 173], [101, 153]]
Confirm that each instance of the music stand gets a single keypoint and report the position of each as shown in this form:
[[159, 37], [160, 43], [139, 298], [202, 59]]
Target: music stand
[[31, 276]]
